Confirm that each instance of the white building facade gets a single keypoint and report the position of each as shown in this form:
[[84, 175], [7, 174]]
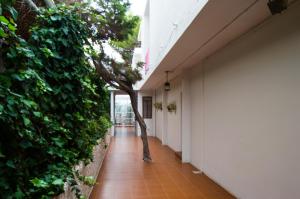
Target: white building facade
[[235, 81]]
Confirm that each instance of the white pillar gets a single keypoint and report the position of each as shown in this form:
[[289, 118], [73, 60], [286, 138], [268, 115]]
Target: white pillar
[[112, 111], [140, 109], [186, 119], [153, 114], [165, 118]]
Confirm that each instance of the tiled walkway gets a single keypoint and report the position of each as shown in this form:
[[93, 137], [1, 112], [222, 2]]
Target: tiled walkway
[[125, 176]]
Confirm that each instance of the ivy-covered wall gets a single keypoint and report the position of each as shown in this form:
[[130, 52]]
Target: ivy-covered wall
[[53, 106]]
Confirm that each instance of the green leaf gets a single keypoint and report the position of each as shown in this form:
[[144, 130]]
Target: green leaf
[[47, 52], [12, 53], [13, 12], [2, 33], [55, 18], [39, 183], [89, 180], [18, 77], [12, 27], [69, 87], [46, 119], [25, 144], [29, 103], [3, 20], [27, 52], [5, 81], [1, 154], [11, 164], [26, 121], [19, 194], [58, 182], [37, 114], [65, 30], [58, 141]]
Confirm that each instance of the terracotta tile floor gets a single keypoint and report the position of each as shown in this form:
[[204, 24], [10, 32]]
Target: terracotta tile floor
[[125, 176]]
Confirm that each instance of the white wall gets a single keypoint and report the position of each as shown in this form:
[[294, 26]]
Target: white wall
[[145, 30], [246, 112], [162, 25], [197, 118], [186, 119], [169, 23], [112, 112], [174, 118], [159, 115], [168, 124]]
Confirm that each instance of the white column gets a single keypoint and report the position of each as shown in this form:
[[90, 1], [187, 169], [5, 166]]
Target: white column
[[165, 119], [153, 114], [112, 111], [140, 109], [186, 119]]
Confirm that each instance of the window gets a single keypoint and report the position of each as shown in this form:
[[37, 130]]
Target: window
[[147, 107]]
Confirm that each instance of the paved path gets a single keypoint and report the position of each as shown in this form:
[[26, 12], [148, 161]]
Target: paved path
[[125, 176]]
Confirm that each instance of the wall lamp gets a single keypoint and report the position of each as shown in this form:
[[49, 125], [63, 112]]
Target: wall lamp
[[167, 83], [277, 6]]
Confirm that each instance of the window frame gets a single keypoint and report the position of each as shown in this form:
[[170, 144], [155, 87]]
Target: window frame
[[147, 107]]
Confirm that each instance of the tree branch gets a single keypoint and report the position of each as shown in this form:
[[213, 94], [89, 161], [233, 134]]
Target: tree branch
[[49, 3], [32, 5], [108, 77]]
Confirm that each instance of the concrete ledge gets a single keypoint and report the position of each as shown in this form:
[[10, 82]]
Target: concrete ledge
[[90, 170]]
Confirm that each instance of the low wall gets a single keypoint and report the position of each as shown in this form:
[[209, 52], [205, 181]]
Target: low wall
[[90, 170]]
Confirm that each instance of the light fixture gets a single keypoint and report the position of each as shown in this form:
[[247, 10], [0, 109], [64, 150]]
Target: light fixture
[[167, 83], [277, 6]]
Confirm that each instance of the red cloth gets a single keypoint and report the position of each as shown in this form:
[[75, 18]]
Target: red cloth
[[146, 66]]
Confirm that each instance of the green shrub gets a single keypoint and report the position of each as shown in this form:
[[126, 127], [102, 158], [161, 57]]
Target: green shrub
[[53, 106]]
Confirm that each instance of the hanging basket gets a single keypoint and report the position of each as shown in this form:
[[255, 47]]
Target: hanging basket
[[172, 107], [158, 106]]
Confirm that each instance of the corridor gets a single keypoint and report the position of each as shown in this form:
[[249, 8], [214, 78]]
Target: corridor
[[125, 176]]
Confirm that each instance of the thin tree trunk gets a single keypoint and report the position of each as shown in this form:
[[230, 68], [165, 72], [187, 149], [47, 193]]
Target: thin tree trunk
[[49, 3], [32, 5], [146, 151]]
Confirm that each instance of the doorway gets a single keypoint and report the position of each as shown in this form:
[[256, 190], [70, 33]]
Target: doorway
[[124, 117]]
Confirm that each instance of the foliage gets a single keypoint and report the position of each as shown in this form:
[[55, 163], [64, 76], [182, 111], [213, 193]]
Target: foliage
[[53, 105], [112, 25], [126, 47]]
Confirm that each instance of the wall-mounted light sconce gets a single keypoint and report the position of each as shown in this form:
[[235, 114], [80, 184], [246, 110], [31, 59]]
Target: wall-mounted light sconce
[[277, 6], [167, 83]]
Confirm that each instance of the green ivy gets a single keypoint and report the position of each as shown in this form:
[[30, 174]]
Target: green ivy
[[54, 108]]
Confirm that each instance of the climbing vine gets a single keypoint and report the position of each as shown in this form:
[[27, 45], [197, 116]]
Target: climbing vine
[[53, 107]]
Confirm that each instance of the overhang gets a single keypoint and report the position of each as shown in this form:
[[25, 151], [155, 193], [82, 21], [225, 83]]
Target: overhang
[[217, 24]]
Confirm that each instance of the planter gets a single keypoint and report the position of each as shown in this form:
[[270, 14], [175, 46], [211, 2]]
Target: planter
[[158, 106], [91, 169], [172, 107]]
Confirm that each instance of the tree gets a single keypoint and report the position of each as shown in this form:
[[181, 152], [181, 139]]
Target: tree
[[110, 24]]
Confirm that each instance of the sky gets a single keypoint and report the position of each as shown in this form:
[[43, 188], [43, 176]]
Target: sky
[[137, 7]]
